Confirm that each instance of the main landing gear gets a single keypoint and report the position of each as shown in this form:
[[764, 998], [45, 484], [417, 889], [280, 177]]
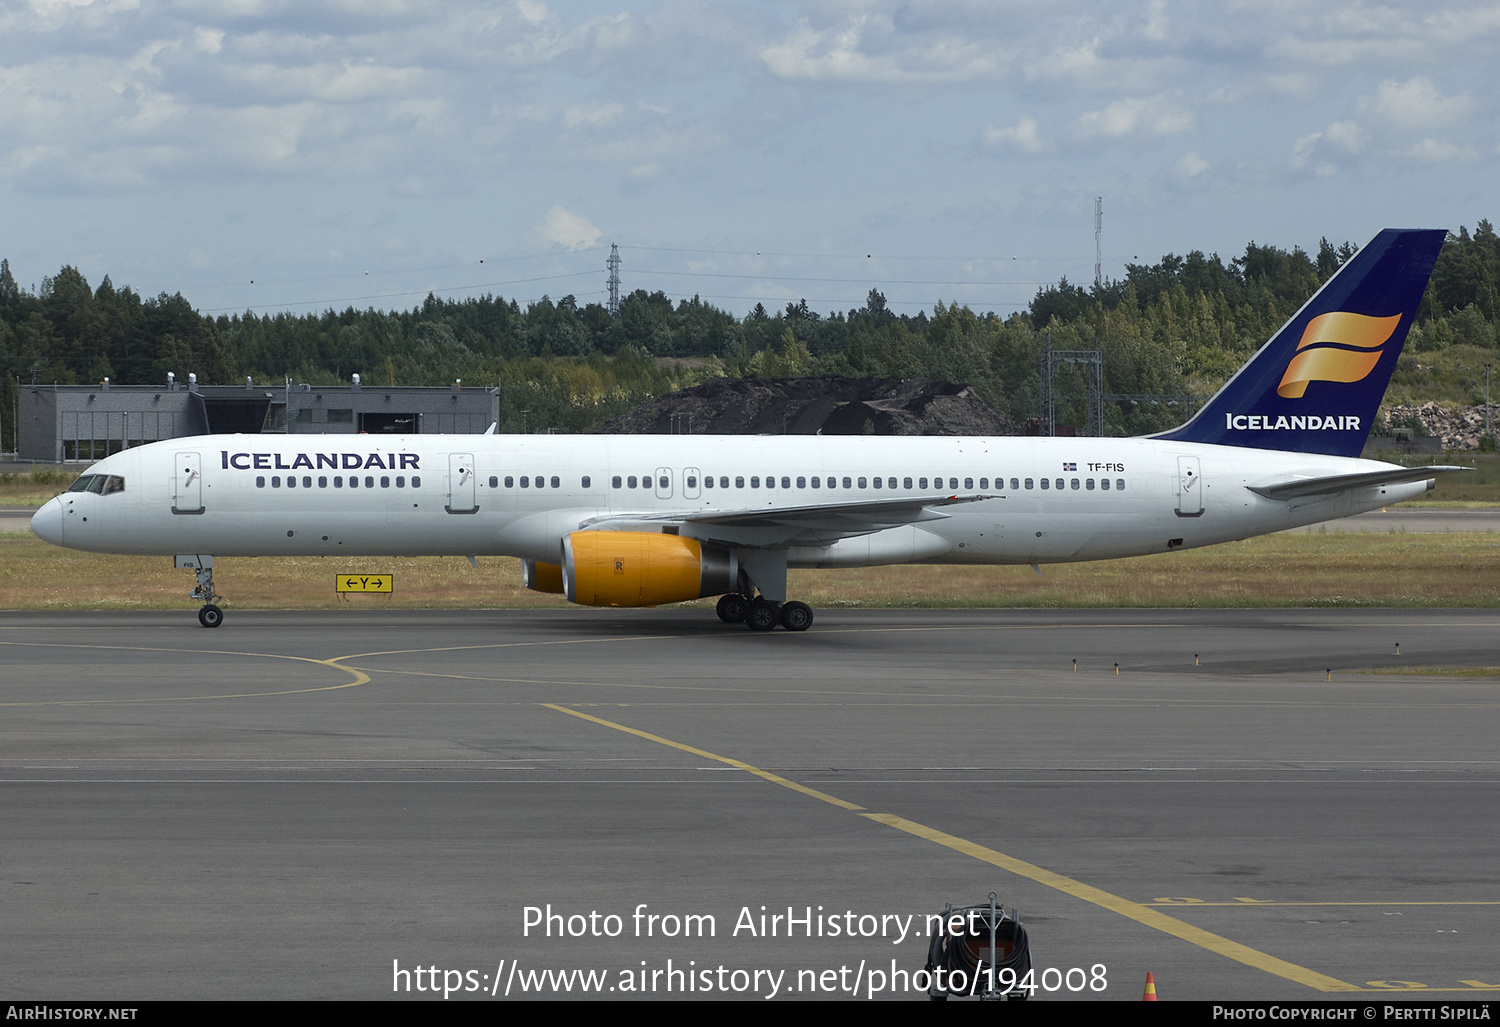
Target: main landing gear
[[762, 614], [210, 616]]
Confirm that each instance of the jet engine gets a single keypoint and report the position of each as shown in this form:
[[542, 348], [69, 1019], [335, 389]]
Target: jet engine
[[542, 577], [632, 568]]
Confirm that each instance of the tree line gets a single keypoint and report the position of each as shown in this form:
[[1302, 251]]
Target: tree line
[[1179, 326]]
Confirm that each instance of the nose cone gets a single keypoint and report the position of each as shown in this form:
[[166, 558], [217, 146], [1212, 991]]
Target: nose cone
[[47, 523]]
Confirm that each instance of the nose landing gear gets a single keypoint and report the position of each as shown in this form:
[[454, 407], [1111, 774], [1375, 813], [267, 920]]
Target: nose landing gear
[[210, 616]]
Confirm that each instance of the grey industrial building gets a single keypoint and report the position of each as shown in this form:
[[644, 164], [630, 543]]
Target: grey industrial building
[[86, 422]]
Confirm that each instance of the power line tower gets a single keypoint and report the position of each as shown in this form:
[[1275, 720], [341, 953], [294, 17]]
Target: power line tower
[[1098, 250], [614, 279], [1092, 361]]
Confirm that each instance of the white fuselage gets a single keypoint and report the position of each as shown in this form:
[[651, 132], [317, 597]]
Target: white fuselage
[[228, 495]]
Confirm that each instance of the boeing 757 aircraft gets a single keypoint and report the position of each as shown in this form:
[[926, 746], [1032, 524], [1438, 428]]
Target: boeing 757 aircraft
[[645, 520]]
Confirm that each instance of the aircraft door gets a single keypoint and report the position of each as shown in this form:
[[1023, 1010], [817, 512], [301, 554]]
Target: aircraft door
[[690, 483], [461, 495], [664, 483], [187, 483], [1189, 487]]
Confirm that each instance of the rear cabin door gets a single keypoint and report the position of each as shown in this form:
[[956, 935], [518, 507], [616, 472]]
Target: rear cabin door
[[1189, 487]]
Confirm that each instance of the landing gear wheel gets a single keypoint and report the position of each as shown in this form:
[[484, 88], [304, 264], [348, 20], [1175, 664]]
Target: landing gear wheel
[[796, 616], [210, 616], [764, 615], [732, 608]]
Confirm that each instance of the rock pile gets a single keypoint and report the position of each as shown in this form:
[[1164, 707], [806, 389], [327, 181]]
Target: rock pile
[[1458, 428]]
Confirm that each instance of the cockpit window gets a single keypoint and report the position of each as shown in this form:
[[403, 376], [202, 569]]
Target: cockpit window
[[99, 484]]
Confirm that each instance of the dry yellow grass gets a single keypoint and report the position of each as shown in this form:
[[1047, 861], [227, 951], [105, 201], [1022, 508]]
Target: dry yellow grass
[[1354, 569]]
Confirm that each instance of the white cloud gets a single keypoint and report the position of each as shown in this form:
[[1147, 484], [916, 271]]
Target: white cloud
[[593, 114], [1191, 165], [1418, 104], [565, 228], [1135, 116], [1021, 136], [1440, 151]]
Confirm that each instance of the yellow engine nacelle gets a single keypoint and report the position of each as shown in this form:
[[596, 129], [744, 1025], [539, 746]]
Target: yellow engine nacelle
[[542, 577], [632, 568]]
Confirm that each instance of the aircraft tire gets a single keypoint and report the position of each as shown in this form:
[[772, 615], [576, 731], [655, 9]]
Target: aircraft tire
[[796, 616], [763, 615], [733, 608], [210, 616]]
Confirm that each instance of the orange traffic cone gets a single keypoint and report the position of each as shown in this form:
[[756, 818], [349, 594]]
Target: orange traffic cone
[[1150, 995]]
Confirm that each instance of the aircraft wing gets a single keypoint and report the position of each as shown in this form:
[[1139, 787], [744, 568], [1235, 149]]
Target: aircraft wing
[[814, 525], [1301, 487]]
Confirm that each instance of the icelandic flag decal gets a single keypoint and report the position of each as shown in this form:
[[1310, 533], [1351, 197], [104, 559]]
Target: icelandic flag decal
[[1070, 467]]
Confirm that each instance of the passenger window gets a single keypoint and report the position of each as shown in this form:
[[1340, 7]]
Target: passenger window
[[953, 483], [526, 481], [692, 481], [723, 482], [585, 481], [1089, 484], [401, 481], [786, 482], [1104, 484], [291, 481], [984, 483], [847, 483], [1119, 484], [1046, 483], [968, 483], [876, 482], [615, 481], [629, 481], [754, 481], [276, 481], [369, 481], [906, 483], [739, 481], [556, 482], [861, 483], [1059, 483], [260, 481], [921, 483], [510, 482], [353, 482], [494, 481], [416, 481], [1028, 483], [1014, 484], [385, 481], [815, 481], [1075, 484]]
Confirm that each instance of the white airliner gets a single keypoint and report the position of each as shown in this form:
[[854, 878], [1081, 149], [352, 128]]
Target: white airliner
[[651, 519]]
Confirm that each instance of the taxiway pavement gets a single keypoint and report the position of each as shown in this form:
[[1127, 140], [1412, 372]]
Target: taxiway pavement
[[376, 804]]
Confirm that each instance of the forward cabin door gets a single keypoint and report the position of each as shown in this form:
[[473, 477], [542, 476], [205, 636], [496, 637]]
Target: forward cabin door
[[461, 495], [187, 483]]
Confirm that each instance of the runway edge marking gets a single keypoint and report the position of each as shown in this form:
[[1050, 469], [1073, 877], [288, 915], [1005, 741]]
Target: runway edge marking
[[1136, 911]]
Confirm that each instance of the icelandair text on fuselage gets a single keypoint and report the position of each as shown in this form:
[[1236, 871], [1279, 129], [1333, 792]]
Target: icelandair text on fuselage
[[325, 461], [538, 921], [1297, 422]]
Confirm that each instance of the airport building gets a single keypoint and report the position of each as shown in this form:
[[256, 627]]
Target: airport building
[[87, 422]]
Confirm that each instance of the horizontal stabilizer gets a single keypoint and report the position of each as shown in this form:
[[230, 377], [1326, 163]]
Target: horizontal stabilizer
[[1300, 488]]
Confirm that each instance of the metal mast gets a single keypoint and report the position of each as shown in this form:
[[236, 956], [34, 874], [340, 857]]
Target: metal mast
[[614, 279], [1098, 251]]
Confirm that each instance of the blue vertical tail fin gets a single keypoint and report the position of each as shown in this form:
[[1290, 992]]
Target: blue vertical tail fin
[[1316, 386]]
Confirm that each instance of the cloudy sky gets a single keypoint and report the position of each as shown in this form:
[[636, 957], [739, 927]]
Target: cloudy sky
[[303, 155]]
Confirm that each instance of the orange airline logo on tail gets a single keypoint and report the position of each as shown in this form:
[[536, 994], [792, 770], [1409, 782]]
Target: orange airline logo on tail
[[1323, 354]]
